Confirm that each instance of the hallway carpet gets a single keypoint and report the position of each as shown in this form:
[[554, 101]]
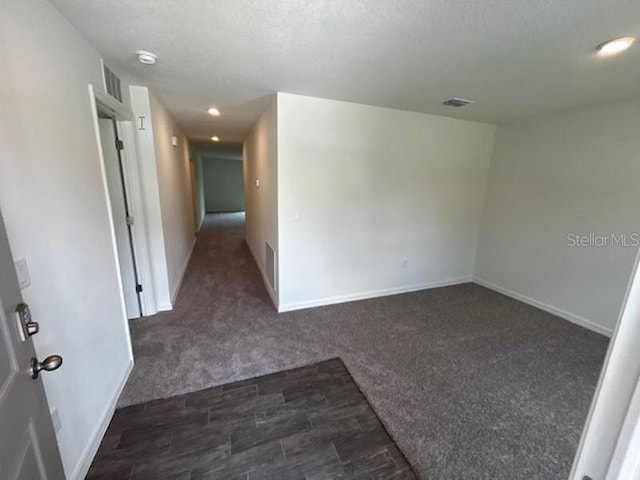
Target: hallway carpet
[[469, 383]]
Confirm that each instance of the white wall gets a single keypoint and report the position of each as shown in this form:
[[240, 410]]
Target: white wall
[[55, 207], [362, 188], [261, 203], [576, 171], [176, 194], [141, 106], [198, 188], [168, 193]]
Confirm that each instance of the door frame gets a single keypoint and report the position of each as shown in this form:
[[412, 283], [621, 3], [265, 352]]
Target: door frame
[[118, 192], [610, 442], [124, 121], [625, 463]]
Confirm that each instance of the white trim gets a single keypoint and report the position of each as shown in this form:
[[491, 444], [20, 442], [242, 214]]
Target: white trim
[[132, 178], [88, 454], [265, 280], [373, 294], [111, 104], [176, 290], [611, 400], [94, 100], [165, 307], [136, 207], [583, 322], [625, 463]]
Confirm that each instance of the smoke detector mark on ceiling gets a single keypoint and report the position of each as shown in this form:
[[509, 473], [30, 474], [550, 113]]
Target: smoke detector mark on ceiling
[[457, 102]]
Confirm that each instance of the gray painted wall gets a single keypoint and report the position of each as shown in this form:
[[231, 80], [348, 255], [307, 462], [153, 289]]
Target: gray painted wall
[[223, 184]]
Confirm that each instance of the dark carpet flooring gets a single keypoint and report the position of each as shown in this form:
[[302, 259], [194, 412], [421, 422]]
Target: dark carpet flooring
[[310, 423], [470, 384]]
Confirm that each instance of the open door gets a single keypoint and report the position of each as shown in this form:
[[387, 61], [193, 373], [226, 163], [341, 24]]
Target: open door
[[28, 448], [110, 144], [610, 444]]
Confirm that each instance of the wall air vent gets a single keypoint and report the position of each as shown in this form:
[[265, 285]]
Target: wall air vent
[[457, 102], [270, 261], [112, 83]]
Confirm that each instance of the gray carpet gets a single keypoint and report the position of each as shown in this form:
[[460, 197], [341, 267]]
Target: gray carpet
[[223, 221], [471, 384]]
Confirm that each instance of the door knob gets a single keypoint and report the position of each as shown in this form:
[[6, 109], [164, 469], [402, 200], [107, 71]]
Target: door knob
[[52, 362]]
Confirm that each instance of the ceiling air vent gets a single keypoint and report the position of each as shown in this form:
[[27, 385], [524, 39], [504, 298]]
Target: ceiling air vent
[[112, 83], [457, 102]]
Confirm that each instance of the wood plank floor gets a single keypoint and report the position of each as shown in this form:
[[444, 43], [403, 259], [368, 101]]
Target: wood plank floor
[[309, 423]]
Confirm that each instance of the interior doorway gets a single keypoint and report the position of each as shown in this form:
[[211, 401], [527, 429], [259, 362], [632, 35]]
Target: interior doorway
[[121, 213], [218, 179], [223, 182]]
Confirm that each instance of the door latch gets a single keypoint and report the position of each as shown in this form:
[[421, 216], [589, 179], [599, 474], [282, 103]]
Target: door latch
[[26, 324]]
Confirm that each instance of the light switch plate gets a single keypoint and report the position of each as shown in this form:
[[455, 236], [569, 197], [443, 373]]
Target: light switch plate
[[22, 271]]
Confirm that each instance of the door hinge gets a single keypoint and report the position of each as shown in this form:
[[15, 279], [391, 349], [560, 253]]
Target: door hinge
[[138, 288], [119, 144], [129, 221]]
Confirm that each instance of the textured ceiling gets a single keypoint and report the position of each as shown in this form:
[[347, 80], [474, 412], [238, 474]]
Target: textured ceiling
[[515, 58]]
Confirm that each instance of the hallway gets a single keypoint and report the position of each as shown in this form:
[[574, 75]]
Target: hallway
[[456, 374]]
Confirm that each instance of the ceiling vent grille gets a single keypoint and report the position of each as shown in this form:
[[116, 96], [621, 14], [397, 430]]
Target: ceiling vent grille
[[112, 83], [457, 102]]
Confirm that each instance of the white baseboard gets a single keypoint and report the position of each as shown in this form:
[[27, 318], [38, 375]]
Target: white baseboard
[[372, 294], [83, 465], [165, 307], [583, 322], [201, 222], [265, 280], [176, 290]]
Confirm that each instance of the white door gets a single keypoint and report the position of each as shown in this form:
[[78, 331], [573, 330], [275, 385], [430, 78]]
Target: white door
[[28, 448], [119, 207], [610, 436]]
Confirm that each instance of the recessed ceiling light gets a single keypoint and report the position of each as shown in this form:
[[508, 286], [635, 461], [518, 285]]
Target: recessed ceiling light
[[214, 111], [146, 58], [615, 46], [215, 138]]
